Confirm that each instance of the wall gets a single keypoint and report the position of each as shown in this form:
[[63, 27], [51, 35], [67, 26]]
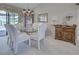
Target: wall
[[56, 11], [77, 22]]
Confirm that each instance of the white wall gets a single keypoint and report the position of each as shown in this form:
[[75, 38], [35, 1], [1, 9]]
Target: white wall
[[56, 11], [77, 22]]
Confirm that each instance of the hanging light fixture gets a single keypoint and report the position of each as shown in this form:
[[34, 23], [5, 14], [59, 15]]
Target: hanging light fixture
[[28, 12]]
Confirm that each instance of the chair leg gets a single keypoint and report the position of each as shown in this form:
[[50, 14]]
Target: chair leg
[[29, 42], [15, 50], [38, 45], [12, 45], [8, 40]]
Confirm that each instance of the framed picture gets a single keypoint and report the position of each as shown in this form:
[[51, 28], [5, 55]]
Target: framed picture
[[43, 17]]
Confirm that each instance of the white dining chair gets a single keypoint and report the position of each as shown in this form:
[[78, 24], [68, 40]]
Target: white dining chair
[[40, 34], [15, 37]]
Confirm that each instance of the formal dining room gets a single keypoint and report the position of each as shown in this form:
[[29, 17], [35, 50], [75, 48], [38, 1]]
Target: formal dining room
[[39, 28]]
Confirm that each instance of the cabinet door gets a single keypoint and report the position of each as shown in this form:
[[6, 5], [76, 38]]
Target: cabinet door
[[59, 33], [70, 35]]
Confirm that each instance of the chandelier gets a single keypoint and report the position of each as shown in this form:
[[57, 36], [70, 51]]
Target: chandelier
[[28, 12]]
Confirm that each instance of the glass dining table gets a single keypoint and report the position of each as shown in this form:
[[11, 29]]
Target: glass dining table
[[30, 31]]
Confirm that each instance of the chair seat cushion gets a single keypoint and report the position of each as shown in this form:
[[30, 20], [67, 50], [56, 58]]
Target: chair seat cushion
[[22, 37]]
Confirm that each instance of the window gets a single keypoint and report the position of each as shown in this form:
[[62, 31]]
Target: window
[[13, 18], [2, 18], [2, 22], [7, 17]]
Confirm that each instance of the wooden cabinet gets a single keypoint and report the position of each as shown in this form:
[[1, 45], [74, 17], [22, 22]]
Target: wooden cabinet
[[65, 33]]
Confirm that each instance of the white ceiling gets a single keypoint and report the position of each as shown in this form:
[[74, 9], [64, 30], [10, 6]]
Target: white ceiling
[[25, 5], [34, 5]]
